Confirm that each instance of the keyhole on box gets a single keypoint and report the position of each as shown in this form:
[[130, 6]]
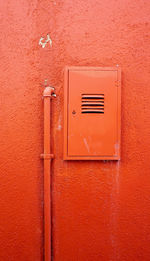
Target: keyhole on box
[[73, 112]]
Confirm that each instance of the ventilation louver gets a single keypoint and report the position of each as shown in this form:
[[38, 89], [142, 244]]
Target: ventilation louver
[[92, 103]]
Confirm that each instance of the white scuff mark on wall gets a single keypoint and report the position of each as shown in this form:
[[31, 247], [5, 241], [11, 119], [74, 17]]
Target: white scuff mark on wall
[[59, 127], [86, 144], [116, 148], [43, 43]]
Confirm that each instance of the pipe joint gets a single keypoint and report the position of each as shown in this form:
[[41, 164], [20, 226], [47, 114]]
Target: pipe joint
[[49, 92]]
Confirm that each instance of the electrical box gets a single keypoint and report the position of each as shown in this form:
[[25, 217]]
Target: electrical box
[[92, 106]]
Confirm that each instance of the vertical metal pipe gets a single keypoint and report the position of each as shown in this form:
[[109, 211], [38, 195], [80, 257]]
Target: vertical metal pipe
[[47, 180], [47, 156]]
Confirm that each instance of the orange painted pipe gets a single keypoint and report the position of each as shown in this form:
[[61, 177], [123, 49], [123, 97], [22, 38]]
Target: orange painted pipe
[[47, 156]]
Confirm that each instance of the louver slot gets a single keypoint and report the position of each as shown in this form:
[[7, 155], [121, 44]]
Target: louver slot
[[92, 103]]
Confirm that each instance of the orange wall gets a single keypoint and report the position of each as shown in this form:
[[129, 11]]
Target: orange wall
[[101, 210]]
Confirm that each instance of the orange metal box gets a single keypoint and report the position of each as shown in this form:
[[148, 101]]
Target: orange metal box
[[92, 105]]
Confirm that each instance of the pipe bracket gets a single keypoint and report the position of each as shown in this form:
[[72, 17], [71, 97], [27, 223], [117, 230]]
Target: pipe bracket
[[47, 156]]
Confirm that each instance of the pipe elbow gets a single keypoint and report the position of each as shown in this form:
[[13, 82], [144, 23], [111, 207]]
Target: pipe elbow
[[48, 91]]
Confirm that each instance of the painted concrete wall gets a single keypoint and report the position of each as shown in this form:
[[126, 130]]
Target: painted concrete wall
[[101, 210]]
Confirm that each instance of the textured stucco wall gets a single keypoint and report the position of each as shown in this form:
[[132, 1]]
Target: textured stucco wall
[[101, 210]]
